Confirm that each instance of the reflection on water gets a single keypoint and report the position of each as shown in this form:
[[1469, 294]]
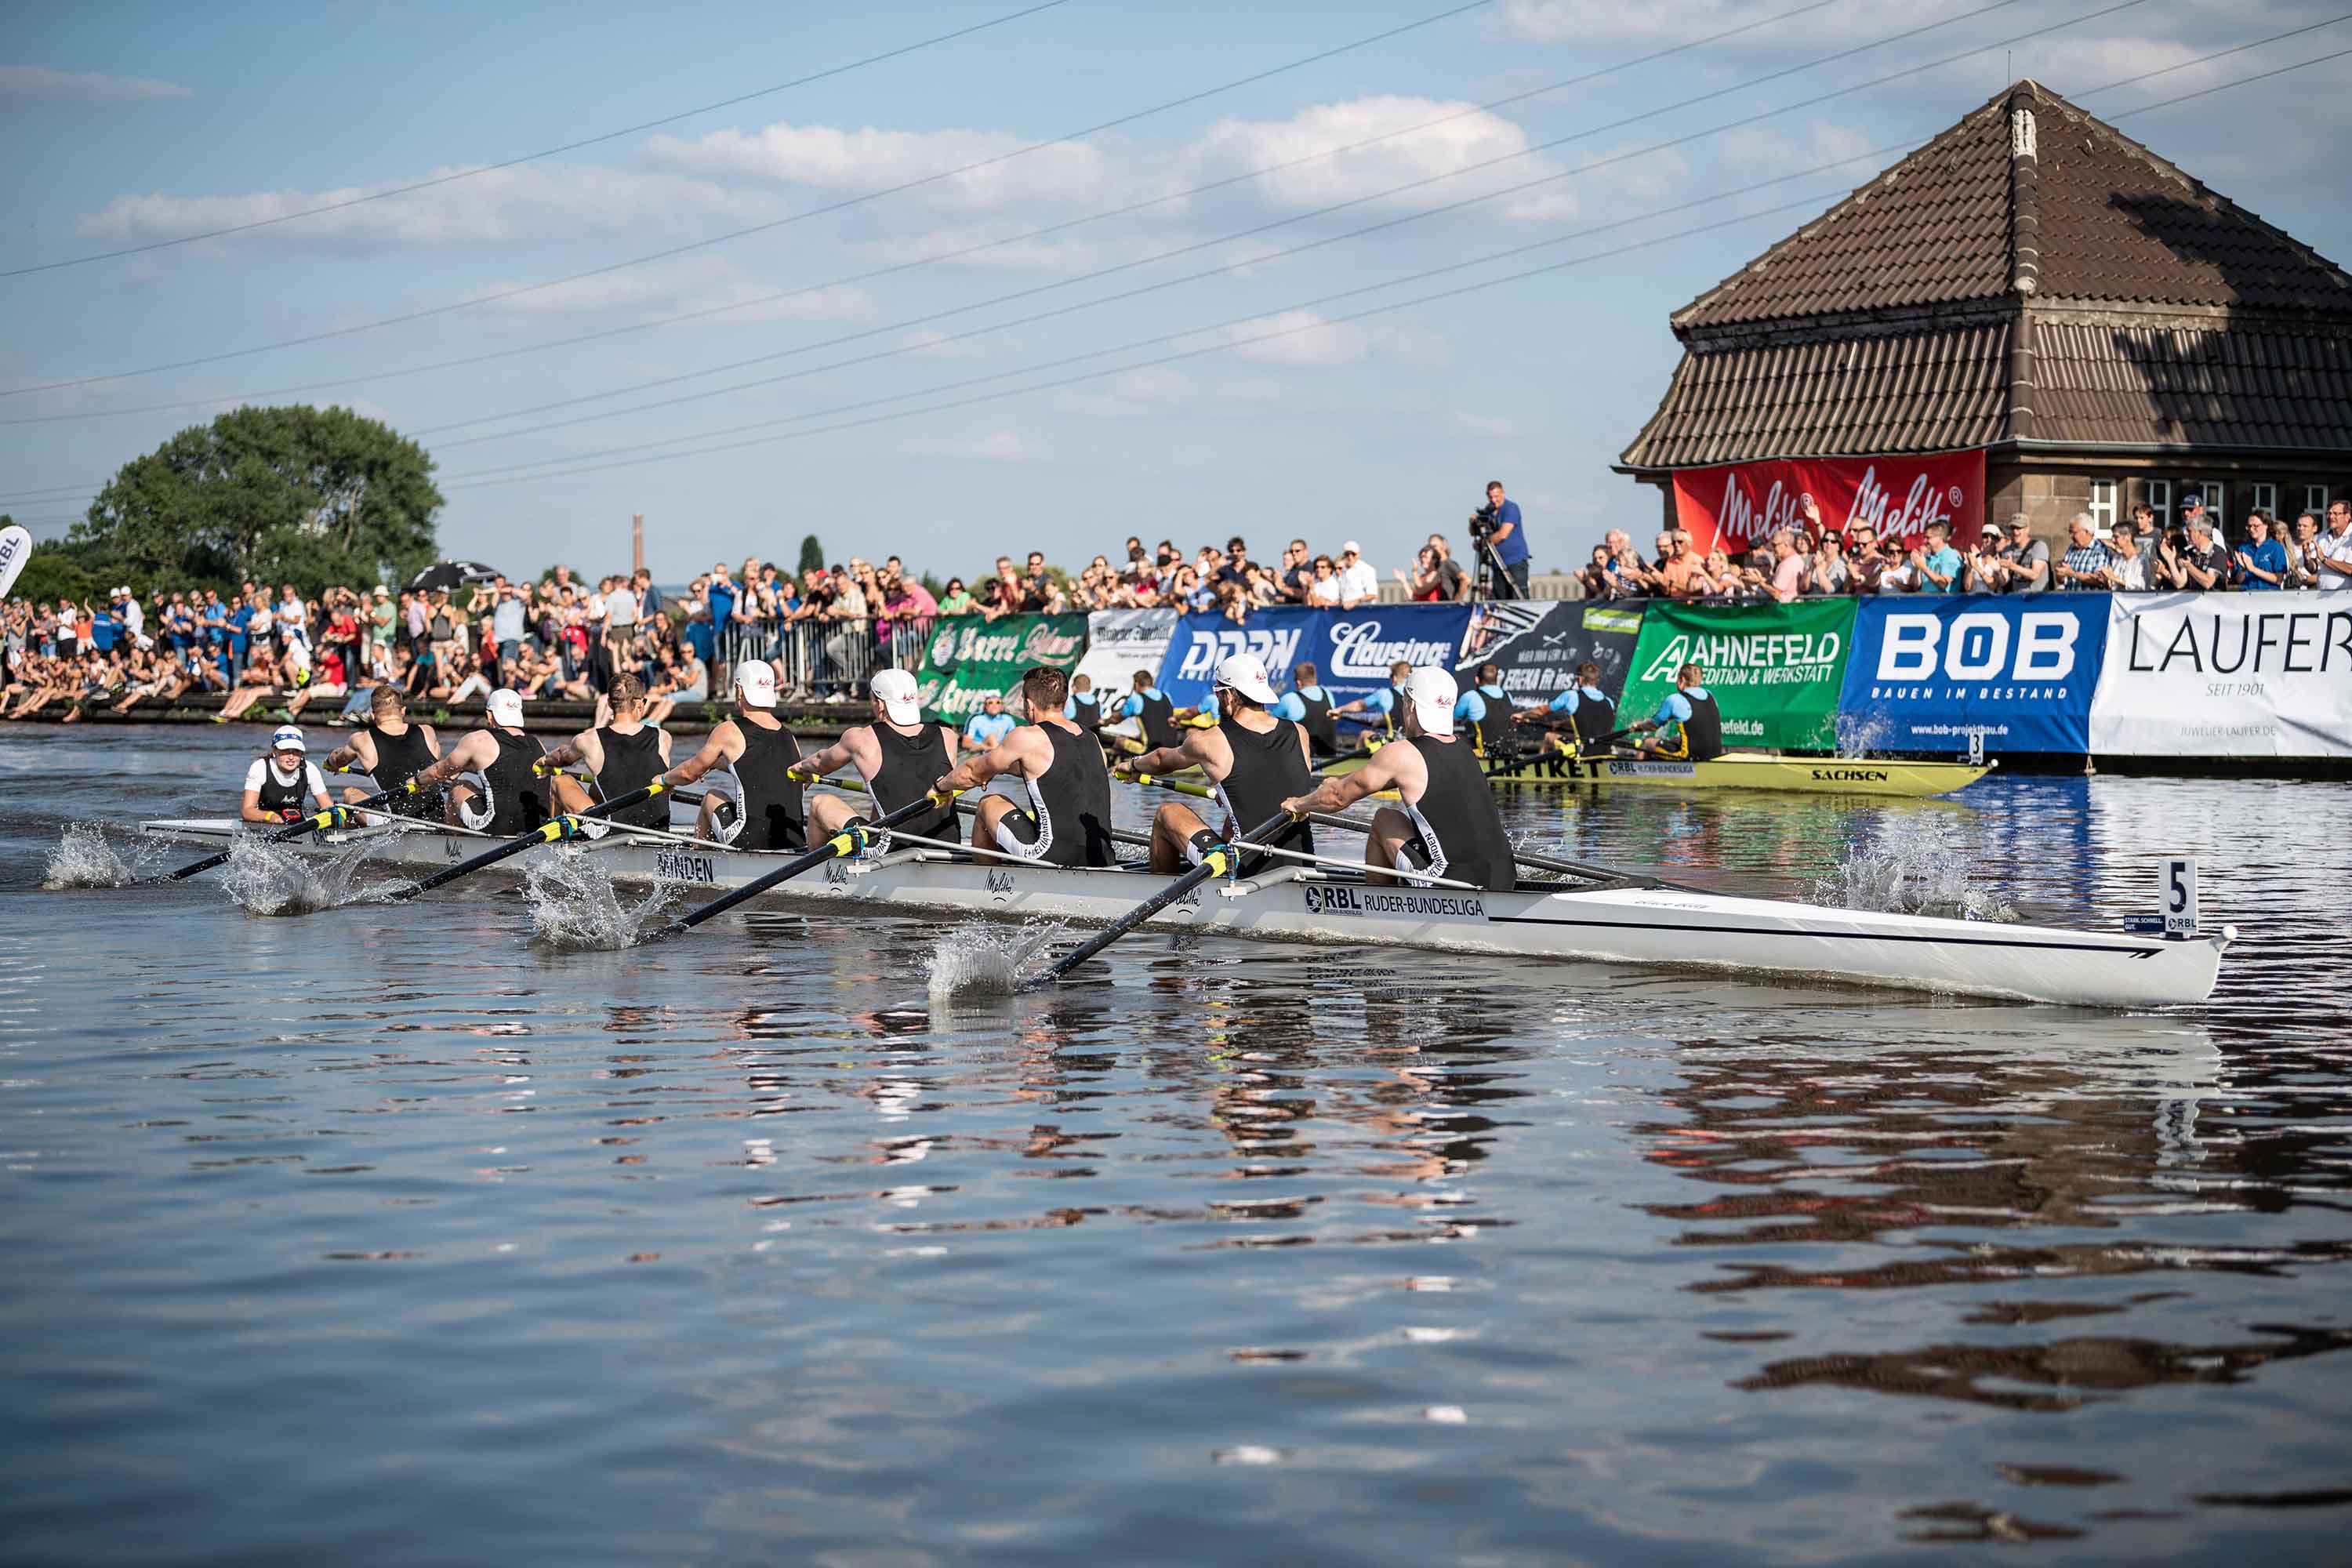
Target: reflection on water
[[397, 1234]]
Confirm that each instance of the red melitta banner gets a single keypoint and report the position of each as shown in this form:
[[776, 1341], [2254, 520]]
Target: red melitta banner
[[1740, 504]]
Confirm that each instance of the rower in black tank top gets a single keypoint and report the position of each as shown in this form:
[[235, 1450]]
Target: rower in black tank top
[[772, 814], [278, 798], [1594, 716], [1086, 711], [1071, 804], [1158, 717], [1457, 810], [517, 796], [909, 765], [631, 762], [1322, 730], [1269, 768], [1496, 732], [398, 759], [1703, 729]]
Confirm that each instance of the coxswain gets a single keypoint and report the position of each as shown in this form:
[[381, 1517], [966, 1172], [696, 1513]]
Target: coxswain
[[1384, 707], [494, 785], [1692, 724], [1254, 760], [1583, 709], [897, 755], [285, 785], [988, 726], [760, 752], [623, 753], [1486, 708], [390, 749], [1308, 706], [1153, 712], [1448, 825], [1082, 706], [1068, 819]]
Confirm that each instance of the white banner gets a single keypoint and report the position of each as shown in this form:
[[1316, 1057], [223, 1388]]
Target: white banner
[[2226, 675], [1120, 642]]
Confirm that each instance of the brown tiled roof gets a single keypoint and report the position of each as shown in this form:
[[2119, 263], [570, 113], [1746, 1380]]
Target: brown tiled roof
[[2116, 223], [1891, 392], [2244, 386]]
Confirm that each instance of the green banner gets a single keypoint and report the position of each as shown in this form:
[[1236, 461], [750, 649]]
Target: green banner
[[969, 657], [1776, 670]]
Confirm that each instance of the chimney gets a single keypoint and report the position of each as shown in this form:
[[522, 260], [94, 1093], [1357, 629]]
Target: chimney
[[2025, 255], [637, 542]]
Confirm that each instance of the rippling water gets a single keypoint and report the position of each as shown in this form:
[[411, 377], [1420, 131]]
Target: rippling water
[[390, 1234]]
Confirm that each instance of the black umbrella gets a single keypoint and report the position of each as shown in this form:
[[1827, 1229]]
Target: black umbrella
[[443, 575]]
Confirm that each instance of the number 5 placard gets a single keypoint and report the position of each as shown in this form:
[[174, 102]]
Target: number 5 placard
[[2176, 895]]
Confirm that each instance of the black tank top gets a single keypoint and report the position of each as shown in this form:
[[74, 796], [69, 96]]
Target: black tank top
[[517, 796], [274, 797], [1088, 714], [398, 759], [1458, 807], [1158, 717], [1322, 730], [1495, 731], [1595, 716], [1703, 728], [1074, 795], [1268, 769], [909, 765], [631, 762], [1398, 698], [772, 803]]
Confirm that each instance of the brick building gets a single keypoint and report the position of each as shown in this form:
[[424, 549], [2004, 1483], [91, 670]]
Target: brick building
[[2035, 285]]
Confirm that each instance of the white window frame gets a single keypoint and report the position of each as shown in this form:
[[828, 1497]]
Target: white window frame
[[2159, 502], [2315, 499], [2263, 500], [2103, 504], [2217, 501]]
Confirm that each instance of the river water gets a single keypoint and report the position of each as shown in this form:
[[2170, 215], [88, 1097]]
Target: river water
[[389, 1235]]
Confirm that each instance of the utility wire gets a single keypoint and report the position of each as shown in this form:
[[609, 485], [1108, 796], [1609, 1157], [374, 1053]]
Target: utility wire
[[845, 204], [934, 259], [451, 179], [511, 474]]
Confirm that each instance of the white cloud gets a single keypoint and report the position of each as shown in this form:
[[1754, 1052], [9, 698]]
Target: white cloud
[[829, 158], [1759, 153], [1302, 339], [687, 283], [1468, 136], [33, 84]]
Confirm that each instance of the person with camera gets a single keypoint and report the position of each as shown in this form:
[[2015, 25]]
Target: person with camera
[[1501, 532]]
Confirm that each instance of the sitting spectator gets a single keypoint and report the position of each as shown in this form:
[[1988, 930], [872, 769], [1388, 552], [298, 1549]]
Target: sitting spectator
[[2085, 564], [2262, 561]]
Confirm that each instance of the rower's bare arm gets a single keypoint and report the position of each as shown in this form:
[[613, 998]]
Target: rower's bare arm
[[251, 810], [460, 757], [341, 758], [1006, 756], [714, 754], [432, 740], [1160, 760], [571, 750], [844, 752], [1339, 793]]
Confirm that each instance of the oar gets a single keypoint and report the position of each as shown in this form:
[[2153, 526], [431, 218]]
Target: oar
[[1509, 765], [548, 832], [1216, 863], [840, 847], [333, 816]]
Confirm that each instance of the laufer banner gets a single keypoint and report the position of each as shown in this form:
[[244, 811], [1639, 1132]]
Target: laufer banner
[[1351, 649], [1538, 645], [1740, 504], [1775, 670], [1928, 671], [2226, 675], [1120, 642], [968, 656]]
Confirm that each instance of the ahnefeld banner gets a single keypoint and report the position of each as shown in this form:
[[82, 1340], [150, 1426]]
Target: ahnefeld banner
[[969, 657], [1775, 670]]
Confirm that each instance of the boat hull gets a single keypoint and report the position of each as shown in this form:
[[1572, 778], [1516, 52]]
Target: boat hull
[[1624, 923], [1734, 770]]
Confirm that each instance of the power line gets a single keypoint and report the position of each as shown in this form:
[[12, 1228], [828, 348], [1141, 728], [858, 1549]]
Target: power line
[[546, 152], [974, 249], [512, 474], [846, 203]]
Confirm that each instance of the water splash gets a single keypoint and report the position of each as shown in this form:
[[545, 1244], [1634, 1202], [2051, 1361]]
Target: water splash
[[973, 962], [1914, 865], [573, 905], [1862, 735], [266, 879], [84, 858]]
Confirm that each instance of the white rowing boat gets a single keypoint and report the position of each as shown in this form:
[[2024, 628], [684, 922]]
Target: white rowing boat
[[1626, 921]]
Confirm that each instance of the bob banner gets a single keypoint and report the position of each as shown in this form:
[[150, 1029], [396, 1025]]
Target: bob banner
[[1928, 671], [1742, 504], [2226, 675]]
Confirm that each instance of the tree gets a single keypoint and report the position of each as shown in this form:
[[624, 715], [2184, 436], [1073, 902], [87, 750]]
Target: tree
[[49, 574], [311, 496], [812, 554]]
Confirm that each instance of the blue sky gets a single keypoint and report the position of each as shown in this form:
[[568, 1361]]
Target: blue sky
[[131, 124]]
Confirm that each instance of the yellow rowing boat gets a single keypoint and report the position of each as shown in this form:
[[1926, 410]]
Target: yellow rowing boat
[[1733, 770]]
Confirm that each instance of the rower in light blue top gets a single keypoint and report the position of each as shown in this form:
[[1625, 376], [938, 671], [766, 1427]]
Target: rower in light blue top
[[1486, 708], [984, 729]]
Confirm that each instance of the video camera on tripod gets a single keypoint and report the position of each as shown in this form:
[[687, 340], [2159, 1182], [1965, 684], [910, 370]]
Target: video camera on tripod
[[1495, 581]]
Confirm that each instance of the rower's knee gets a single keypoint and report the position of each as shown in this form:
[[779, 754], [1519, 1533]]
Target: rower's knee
[[829, 814]]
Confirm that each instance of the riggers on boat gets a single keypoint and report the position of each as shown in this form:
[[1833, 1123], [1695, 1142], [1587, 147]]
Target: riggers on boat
[[1626, 921], [1733, 770]]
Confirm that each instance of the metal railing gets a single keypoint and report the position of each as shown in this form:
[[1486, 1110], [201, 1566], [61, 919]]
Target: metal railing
[[818, 659]]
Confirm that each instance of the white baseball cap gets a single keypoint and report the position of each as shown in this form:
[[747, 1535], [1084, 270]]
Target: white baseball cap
[[1432, 693], [1246, 673], [289, 738], [1351, 548], [506, 706], [896, 688], [755, 683]]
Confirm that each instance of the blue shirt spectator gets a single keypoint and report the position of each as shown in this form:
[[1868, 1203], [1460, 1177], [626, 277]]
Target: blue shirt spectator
[[986, 727], [1511, 548], [722, 606], [1945, 563], [2268, 554]]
